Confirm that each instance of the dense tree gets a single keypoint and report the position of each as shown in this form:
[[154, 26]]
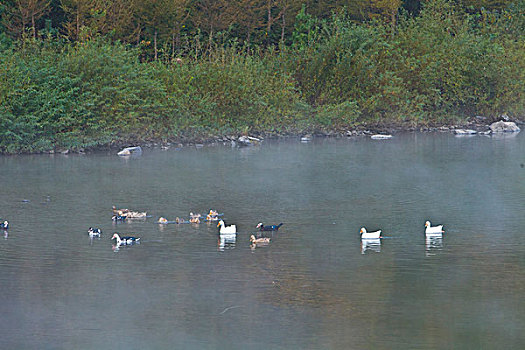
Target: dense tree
[[88, 18], [20, 14], [386, 9], [339, 68], [487, 4], [277, 12], [212, 16]]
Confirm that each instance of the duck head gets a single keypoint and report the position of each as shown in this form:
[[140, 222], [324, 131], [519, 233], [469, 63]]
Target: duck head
[[260, 224], [252, 238], [115, 236], [427, 224], [221, 223], [363, 230]]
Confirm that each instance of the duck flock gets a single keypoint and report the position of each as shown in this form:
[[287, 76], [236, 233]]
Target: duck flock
[[227, 233]]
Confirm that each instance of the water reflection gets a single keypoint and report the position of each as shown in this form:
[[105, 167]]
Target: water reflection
[[433, 244], [91, 239], [130, 157], [373, 245], [246, 152], [6, 234], [226, 242], [503, 135], [117, 247]]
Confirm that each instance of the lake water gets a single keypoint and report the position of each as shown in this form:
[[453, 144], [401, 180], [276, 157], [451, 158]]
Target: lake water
[[315, 286]]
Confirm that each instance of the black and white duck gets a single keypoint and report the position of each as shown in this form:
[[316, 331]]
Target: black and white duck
[[261, 227], [94, 232], [127, 240], [117, 218]]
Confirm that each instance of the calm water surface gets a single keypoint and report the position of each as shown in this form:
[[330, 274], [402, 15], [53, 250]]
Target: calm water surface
[[313, 287]]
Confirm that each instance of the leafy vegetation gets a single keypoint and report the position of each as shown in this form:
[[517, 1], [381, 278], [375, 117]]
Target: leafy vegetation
[[93, 82]]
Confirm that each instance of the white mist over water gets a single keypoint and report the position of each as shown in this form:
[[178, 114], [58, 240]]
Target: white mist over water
[[311, 287]]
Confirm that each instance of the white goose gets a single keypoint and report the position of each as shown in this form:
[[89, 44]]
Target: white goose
[[224, 230], [436, 230], [370, 235]]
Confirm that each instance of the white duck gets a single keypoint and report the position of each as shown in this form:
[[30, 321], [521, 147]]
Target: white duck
[[436, 230], [370, 235], [125, 240], [226, 229]]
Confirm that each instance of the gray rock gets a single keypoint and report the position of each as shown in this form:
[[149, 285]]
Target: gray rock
[[503, 126]]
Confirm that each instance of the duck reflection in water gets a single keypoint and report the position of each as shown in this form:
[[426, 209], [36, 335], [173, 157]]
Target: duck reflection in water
[[6, 234], [226, 242], [373, 245], [433, 245]]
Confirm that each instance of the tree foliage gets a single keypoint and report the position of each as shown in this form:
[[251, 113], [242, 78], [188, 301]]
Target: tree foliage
[[170, 69]]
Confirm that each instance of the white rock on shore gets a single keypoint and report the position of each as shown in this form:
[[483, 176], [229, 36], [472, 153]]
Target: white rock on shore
[[130, 150], [380, 137], [465, 132], [306, 138], [503, 126], [248, 141]]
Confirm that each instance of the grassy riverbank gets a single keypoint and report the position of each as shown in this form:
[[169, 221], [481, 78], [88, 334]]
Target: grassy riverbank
[[441, 67]]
